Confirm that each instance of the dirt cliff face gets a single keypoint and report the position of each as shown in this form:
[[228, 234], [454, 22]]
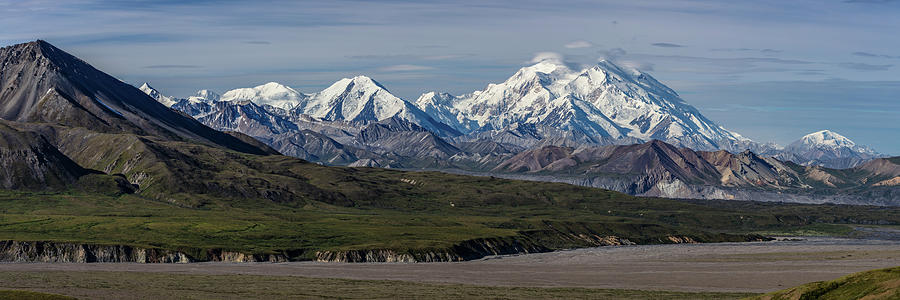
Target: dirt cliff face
[[474, 249], [42, 251], [13, 251]]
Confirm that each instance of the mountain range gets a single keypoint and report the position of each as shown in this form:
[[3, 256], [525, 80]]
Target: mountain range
[[663, 170], [549, 110], [94, 169]]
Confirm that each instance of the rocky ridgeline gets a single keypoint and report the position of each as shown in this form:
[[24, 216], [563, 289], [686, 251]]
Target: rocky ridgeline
[[15, 251]]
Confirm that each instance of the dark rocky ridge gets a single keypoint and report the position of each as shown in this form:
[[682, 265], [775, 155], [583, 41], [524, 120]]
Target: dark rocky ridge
[[29, 161], [41, 83]]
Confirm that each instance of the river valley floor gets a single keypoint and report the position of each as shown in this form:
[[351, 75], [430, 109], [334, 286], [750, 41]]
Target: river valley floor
[[729, 269]]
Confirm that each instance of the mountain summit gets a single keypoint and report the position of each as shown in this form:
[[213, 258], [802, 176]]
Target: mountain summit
[[827, 148], [43, 84], [362, 99], [272, 93], [603, 101], [825, 138]]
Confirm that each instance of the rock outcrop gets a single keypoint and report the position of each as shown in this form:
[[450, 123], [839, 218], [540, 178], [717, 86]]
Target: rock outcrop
[[466, 250], [14, 251], [58, 252]]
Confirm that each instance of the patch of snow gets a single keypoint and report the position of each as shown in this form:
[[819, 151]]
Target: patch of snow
[[107, 107]]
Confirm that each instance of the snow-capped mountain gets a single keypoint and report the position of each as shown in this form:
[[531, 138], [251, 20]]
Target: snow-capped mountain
[[273, 94], [529, 120], [202, 96], [440, 106], [153, 93], [357, 100], [361, 99], [246, 117], [603, 101], [826, 139], [827, 148], [205, 96]]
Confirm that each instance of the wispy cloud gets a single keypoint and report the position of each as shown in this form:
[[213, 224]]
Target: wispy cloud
[[404, 68], [870, 1], [578, 44], [864, 66], [408, 57], [763, 51], [643, 66], [123, 38], [258, 42], [548, 57], [811, 73], [612, 54], [446, 57], [667, 45], [173, 67], [867, 54], [734, 60]]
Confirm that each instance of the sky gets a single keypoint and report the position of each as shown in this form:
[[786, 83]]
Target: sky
[[772, 71]]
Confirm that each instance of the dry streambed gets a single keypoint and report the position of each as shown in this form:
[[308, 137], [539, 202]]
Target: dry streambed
[[727, 267]]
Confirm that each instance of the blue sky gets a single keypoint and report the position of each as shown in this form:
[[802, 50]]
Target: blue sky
[[770, 70]]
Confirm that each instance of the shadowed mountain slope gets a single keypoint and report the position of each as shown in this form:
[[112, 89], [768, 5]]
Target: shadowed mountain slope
[[27, 160], [44, 84]]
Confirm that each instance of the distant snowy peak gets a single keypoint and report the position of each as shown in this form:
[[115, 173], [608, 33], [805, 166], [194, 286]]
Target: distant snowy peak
[[826, 139], [272, 93], [202, 96], [205, 96], [361, 99], [441, 107], [435, 98], [827, 148], [354, 99], [602, 100], [153, 93]]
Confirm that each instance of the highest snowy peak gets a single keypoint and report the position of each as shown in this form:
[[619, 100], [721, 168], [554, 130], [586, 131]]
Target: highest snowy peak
[[273, 94], [602, 100]]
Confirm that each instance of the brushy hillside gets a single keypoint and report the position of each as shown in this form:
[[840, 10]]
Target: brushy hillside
[[871, 285]]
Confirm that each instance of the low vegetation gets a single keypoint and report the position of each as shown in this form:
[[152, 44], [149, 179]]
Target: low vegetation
[[137, 285], [29, 295], [435, 211], [872, 285]]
